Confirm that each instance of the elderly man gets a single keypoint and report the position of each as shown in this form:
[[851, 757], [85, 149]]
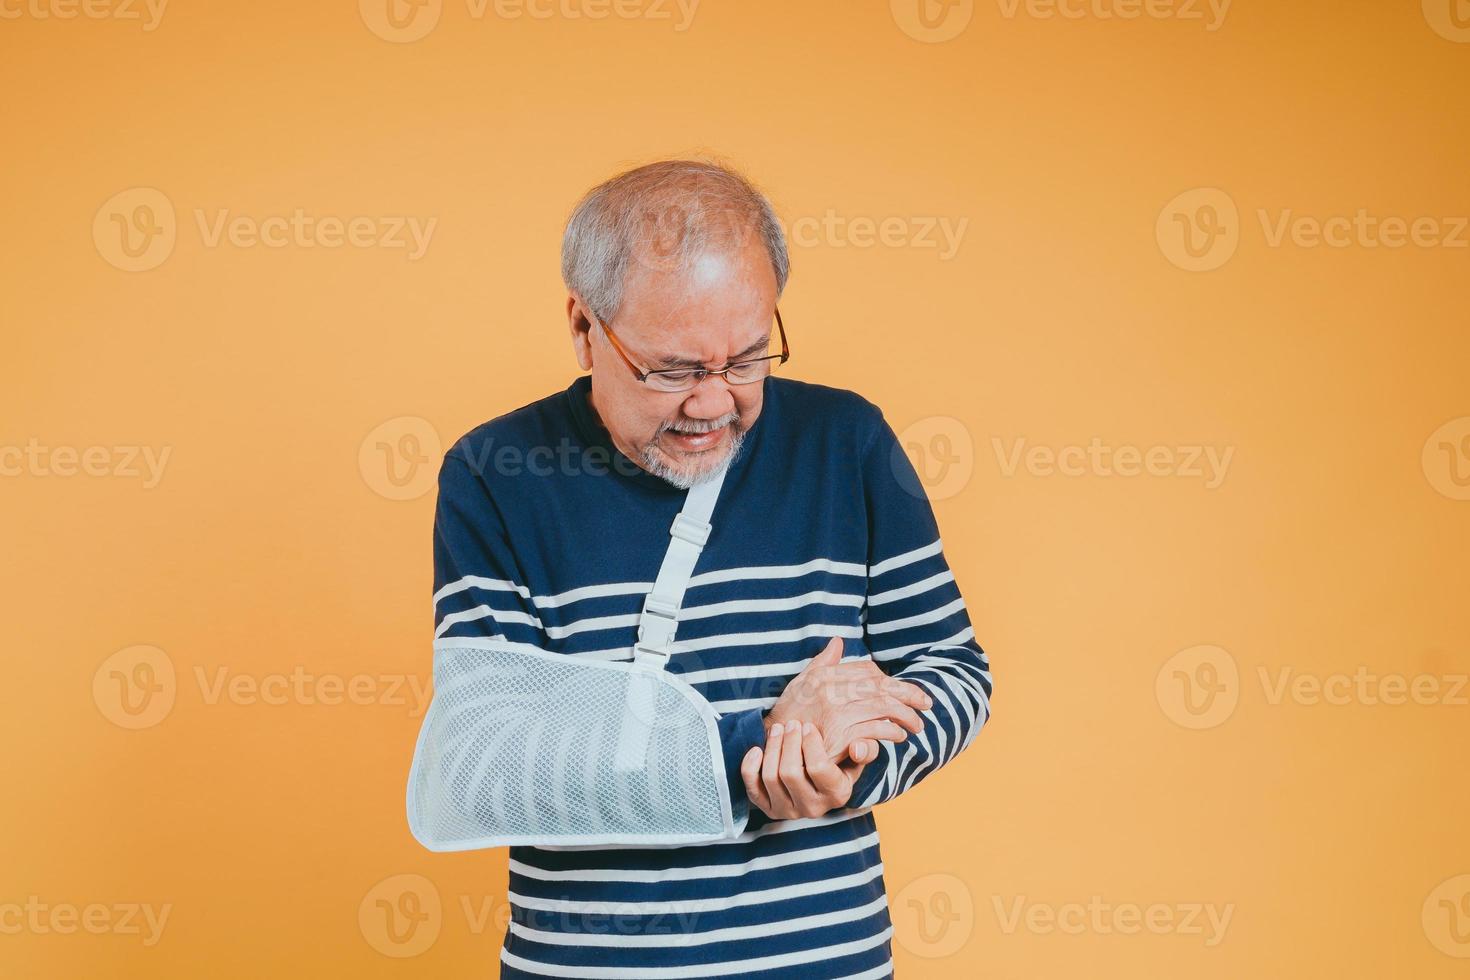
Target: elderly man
[[821, 623]]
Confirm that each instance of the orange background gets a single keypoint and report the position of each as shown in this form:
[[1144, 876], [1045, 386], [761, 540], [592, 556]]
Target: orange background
[[1337, 539]]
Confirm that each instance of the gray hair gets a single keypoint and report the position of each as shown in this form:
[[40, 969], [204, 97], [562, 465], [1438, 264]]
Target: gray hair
[[663, 216]]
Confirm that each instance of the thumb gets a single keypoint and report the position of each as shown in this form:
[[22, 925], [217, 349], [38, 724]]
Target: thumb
[[831, 654]]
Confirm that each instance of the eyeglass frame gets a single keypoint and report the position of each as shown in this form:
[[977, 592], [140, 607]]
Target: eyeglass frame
[[700, 372]]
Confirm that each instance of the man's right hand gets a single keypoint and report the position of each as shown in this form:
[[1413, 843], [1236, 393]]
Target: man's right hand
[[852, 705]]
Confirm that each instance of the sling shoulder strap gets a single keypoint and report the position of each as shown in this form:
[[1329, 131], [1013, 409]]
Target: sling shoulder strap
[[659, 620]]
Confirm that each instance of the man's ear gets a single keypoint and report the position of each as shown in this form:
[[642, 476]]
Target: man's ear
[[580, 324]]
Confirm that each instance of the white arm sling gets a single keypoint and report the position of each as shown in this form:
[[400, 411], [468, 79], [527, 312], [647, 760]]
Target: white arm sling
[[524, 746]]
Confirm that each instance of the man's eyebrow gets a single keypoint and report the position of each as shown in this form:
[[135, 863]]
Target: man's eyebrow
[[673, 363]]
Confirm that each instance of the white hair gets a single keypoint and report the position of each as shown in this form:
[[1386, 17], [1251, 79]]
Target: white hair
[[663, 216]]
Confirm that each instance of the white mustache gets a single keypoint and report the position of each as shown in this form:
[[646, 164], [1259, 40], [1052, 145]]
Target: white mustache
[[695, 426]]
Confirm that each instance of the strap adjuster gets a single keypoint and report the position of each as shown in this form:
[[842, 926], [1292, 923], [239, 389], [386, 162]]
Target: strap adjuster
[[686, 528], [642, 654]]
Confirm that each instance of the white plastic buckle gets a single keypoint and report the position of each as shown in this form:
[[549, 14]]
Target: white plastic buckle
[[656, 628], [686, 528], [646, 654]]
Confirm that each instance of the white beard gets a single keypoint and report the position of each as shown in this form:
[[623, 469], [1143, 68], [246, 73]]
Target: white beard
[[703, 468]]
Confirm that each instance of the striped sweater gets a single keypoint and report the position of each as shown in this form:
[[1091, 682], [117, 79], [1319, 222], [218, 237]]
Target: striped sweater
[[545, 534]]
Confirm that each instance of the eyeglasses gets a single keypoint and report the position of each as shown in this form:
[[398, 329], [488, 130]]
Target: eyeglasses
[[682, 379]]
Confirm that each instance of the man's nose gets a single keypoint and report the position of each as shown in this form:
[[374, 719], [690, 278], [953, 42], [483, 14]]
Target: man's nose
[[709, 399]]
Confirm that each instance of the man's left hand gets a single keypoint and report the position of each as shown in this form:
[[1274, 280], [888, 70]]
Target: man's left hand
[[793, 776]]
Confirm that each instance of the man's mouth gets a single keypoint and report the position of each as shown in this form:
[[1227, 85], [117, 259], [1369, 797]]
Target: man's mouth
[[696, 442]]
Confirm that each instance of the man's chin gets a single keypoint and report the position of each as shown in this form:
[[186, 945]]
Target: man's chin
[[684, 468]]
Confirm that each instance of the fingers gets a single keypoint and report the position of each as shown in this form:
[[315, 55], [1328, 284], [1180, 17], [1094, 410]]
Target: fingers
[[864, 750], [794, 776], [793, 772], [868, 709], [781, 806], [828, 781], [830, 656], [909, 693], [877, 728], [750, 774]]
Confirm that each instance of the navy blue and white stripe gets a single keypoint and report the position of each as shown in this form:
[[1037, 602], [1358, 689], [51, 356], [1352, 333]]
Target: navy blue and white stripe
[[821, 530]]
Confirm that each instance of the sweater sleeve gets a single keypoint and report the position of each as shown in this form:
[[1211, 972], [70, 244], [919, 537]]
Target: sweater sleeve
[[479, 588], [915, 625]]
